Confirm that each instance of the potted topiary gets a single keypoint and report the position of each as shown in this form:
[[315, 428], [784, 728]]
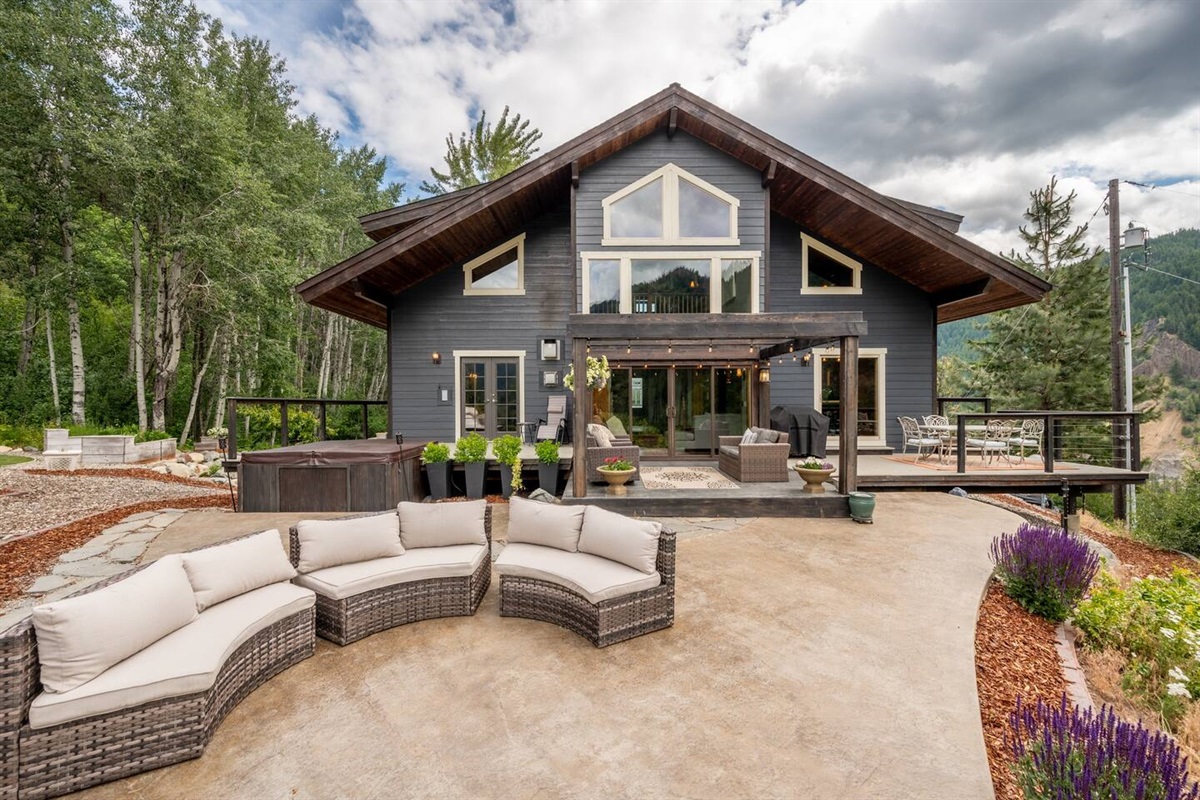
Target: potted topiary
[[815, 472], [547, 456], [471, 452], [507, 450], [436, 458]]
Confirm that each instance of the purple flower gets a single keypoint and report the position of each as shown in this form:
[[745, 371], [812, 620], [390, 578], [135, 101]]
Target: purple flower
[[1044, 568]]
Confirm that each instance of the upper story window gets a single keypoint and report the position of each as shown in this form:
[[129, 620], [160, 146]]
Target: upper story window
[[670, 206], [670, 283], [499, 271], [826, 271]]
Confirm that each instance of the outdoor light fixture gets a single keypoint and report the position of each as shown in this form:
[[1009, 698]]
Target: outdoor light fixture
[[670, 348], [764, 375], [628, 348], [710, 345], [589, 346], [436, 357], [549, 349], [550, 378], [807, 358]]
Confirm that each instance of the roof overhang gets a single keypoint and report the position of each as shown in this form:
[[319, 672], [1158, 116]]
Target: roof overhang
[[424, 238]]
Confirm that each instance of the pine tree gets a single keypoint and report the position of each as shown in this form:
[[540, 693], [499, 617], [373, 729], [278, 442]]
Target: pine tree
[[486, 154]]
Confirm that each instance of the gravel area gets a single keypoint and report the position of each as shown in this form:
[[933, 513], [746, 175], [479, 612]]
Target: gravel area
[[31, 502]]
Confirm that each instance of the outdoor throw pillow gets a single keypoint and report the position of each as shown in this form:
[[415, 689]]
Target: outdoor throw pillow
[[330, 542], [601, 434], [633, 542], [227, 570], [80, 637], [546, 524], [766, 436], [617, 427], [442, 524], [750, 436]]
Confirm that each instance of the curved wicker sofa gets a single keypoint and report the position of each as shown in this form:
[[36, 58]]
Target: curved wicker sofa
[[51, 761], [349, 619]]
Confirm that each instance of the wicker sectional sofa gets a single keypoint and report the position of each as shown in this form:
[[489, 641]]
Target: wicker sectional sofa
[[763, 461], [136, 672], [599, 574]]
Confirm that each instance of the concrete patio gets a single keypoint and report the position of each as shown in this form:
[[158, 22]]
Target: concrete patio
[[810, 658]]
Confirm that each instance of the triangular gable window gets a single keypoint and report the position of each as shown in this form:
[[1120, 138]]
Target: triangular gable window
[[670, 206]]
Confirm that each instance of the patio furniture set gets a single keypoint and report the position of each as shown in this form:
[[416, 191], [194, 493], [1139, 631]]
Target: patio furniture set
[[996, 439], [137, 672]]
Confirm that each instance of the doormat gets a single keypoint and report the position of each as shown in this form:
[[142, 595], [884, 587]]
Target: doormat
[[975, 465], [685, 478]]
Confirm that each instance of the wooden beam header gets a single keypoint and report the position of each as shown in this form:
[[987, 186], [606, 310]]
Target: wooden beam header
[[765, 329]]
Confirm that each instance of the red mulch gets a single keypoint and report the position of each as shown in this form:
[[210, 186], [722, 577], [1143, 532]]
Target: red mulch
[[23, 560], [135, 472], [1014, 655]]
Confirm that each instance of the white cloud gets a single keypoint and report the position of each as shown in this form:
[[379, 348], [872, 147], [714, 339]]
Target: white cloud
[[967, 105]]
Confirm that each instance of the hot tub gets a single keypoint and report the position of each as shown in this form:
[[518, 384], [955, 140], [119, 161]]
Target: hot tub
[[357, 475]]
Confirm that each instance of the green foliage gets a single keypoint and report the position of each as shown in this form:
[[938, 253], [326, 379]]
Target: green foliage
[[1156, 296], [507, 449], [1168, 513], [485, 154], [260, 427], [470, 449], [7, 459], [435, 453], [547, 452], [1155, 625], [20, 436]]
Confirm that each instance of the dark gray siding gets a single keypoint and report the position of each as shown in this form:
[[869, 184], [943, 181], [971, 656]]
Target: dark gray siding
[[436, 316], [899, 317], [655, 151]]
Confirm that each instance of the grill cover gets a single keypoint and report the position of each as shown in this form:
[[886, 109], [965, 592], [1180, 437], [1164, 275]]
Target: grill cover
[[807, 429]]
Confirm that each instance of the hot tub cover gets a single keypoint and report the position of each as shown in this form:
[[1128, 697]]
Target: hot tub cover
[[352, 451]]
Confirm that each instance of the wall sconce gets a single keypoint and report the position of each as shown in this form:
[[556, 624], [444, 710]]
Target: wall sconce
[[435, 357], [764, 375], [549, 349], [806, 358], [550, 379]]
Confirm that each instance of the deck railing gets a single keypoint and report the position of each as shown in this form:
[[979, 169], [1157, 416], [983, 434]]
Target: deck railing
[[322, 430], [942, 402], [1092, 437]]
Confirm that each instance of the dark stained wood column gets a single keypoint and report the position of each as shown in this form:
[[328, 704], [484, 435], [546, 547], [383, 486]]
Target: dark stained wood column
[[848, 391], [579, 418]]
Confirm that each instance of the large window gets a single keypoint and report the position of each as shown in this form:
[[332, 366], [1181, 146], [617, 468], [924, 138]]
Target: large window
[[826, 271], [872, 416], [670, 206], [670, 283], [499, 271]]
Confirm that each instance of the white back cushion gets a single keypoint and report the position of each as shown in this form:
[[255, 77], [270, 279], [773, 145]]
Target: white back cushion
[[442, 524], [331, 542], [632, 542], [602, 435], [80, 637], [227, 570], [546, 524]]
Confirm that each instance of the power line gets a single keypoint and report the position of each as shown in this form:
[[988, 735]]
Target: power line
[[1152, 187], [1168, 274]]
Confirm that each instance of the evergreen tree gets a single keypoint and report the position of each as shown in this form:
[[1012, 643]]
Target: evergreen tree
[[486, 154]]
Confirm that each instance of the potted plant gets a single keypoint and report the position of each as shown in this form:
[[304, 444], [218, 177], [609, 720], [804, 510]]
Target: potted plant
[[815, 472], [471, 452], [547, 456], [617, 471], [598, 374], [221, 435], [436, 458], [507, 450]]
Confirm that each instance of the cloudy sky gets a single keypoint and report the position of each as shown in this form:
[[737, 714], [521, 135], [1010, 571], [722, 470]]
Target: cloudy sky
[[966, 105]]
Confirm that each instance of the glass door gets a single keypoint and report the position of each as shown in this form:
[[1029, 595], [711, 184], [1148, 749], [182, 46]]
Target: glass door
[[490, 396], [693, 407], [650, 421]]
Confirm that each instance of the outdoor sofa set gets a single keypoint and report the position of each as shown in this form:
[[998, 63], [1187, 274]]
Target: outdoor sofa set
[[136, 672]]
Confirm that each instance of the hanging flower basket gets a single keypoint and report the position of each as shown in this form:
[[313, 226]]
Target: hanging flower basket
[[598, 374]]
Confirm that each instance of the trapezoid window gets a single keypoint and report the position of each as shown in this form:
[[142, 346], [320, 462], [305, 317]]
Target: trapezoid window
[[826, 271], [670, 206], [500, 270]]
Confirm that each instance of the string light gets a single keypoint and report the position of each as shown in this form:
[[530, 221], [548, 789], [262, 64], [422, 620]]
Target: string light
[[589, 346], [710, 345], [628, 348], [670, 348]]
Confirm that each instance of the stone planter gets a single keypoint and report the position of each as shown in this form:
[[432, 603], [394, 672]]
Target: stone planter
[[439, 479], [548, 478], [814, 479], [474, 471], [862, 507], [617, 478]]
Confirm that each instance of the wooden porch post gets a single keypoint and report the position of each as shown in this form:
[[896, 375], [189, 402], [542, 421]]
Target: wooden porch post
[[579, 418], [848, 392]]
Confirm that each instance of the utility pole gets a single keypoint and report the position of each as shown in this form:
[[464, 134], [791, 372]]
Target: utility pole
[[1118, 352]]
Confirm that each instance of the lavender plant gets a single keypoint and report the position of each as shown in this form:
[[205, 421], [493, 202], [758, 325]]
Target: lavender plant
[[1044, 568], [1061, 752]]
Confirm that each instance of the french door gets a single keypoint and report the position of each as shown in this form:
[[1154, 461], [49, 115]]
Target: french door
[[491, 396]]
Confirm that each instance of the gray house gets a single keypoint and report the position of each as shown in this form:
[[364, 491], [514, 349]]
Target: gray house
[[672, 208]]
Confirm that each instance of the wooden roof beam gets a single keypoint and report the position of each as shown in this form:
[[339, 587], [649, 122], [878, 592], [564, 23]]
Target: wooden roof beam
[[672, 122], [768, 176], [964, 292]]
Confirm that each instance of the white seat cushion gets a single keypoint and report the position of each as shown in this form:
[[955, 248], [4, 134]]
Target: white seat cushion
[[182, 663], [417, 564], [546, 524], [226, 570], [330, 542], [443, 524], [595, 578], [80, 637]]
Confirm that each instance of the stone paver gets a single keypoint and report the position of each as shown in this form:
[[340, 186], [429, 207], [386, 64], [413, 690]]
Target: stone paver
[[127, 553], [91, 551], [90, 568], [48, 583], [163, 520]]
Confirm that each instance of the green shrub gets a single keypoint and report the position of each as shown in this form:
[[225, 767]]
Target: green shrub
[[151, 436], [1154, 624], [507, 450], [20, 436], [470, 449], [1168, 513], [547, 452], [435, 453]]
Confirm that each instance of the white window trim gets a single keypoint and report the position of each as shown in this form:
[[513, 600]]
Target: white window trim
[[626, 259], [878, 353], [808, 242], [519, 243], [459, 355], [671, 175]]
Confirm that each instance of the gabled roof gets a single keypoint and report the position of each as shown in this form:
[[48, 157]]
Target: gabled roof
[[423, 238]]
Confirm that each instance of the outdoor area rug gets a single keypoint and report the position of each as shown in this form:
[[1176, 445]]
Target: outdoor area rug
[[685, 478], [975, 465]]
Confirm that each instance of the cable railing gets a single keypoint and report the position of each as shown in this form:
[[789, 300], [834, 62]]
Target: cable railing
[[669, 303], [288, 417], [1070, 438]]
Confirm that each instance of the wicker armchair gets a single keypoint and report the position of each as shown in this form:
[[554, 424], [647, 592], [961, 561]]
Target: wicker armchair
[[753, 463], [620, 448]]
